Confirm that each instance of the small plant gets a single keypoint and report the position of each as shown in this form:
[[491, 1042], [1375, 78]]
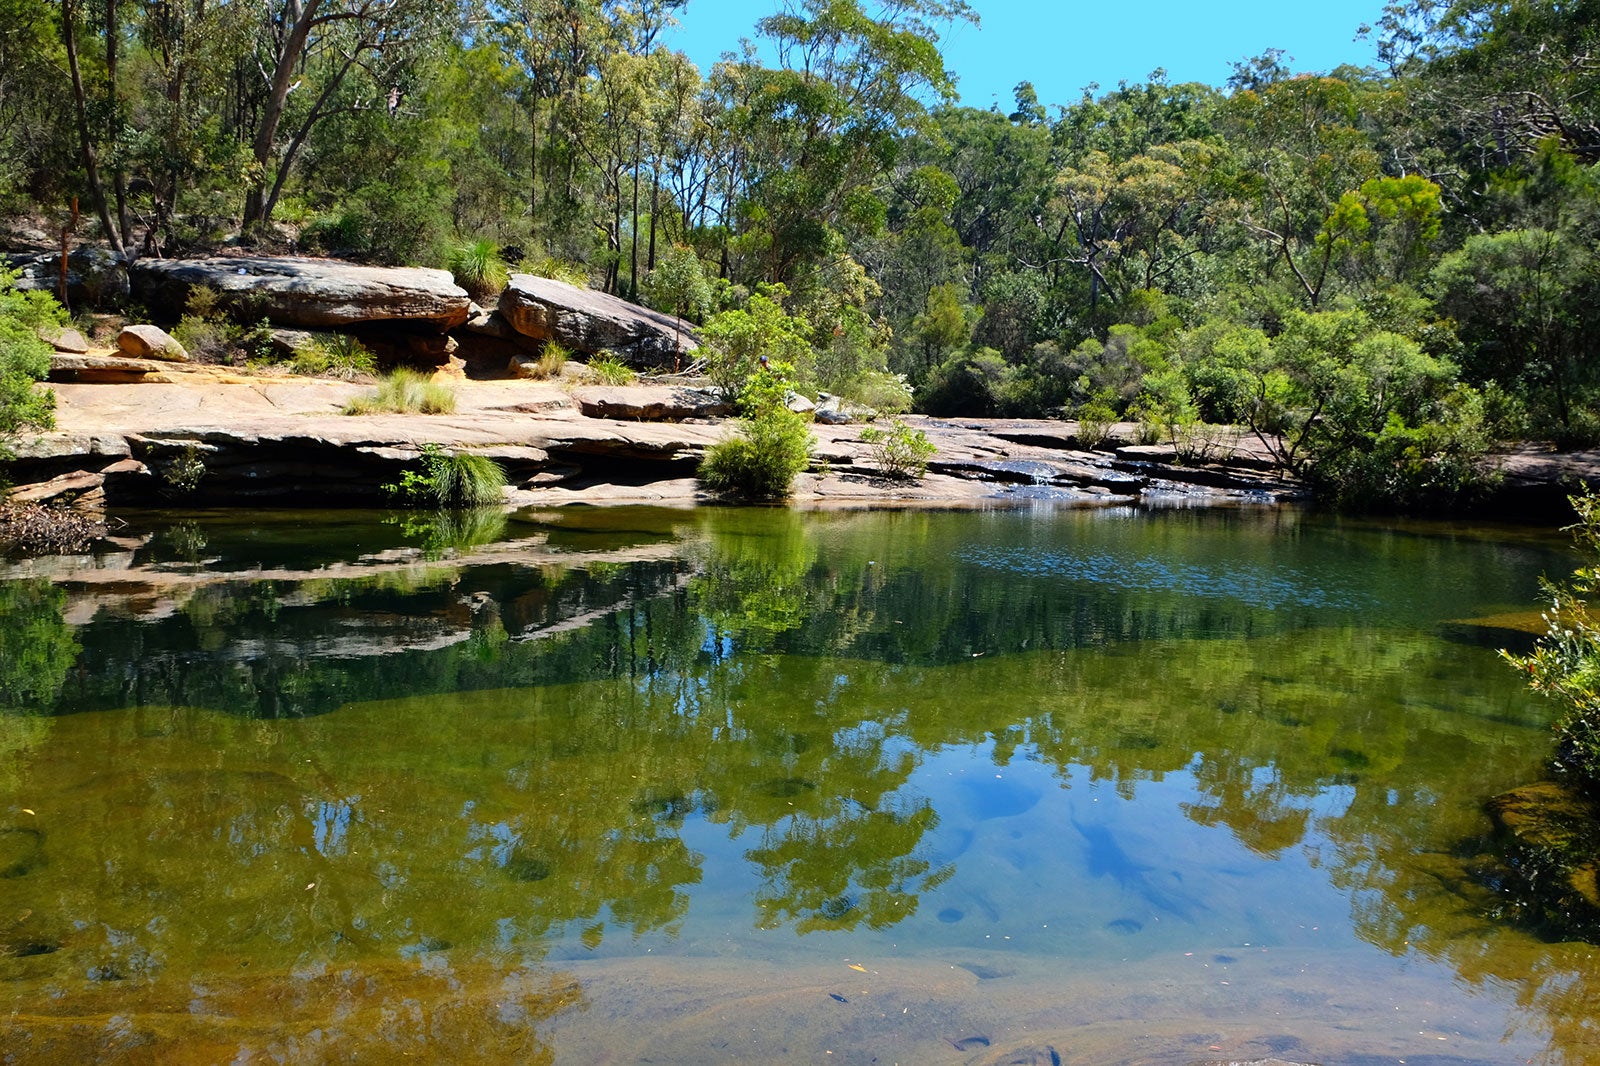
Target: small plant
[[339, 356], [181, 475], [1095, 420], [611, 370], [899, 451], [449, 480], [478, 268], [405, 392], [551, 360]]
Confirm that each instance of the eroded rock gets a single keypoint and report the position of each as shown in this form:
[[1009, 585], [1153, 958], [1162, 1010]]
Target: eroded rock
[[638, 403], [309, 293], [589, 321]]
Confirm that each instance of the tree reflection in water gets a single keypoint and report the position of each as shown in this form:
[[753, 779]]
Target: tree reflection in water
[[303, 801]]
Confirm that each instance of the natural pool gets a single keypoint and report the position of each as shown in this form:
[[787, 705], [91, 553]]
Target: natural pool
[[1014, 786]]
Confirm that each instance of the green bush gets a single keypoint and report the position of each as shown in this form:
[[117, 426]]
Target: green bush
[[24, 361], [899, 451], [405, 392], [478, 268], [761, 461], [1096, 418], [611, 370], [1565, 665], [449, 480]]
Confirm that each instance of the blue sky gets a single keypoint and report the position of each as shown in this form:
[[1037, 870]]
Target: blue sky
[[1062, 45]]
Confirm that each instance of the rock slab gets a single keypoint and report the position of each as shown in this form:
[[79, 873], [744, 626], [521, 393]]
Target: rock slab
[[590, 322], [307, 293]]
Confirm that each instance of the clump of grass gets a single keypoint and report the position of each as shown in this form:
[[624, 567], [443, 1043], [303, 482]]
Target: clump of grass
[[449, 480], [338, 356], [405, 392], [551, 360], [478, 268], [611, 370]]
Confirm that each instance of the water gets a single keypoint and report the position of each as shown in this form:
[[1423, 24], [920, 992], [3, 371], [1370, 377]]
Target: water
[[739, 785]]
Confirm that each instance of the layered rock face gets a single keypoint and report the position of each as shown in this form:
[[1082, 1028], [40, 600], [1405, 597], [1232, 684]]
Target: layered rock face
[[588, 321], [308, 293]]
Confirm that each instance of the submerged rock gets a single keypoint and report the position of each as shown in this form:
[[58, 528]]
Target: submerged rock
[[1551, 878]]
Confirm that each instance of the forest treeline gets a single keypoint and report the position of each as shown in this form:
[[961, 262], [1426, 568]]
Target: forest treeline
[[1384, 269]]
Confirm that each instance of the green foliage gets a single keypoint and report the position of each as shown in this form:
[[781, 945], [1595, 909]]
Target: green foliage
[[899, 451], [478, 268], [760, 462], [181, 475], [611, 371], [1096, 419], [1565, 665], [337, 356], [405, 391], [736, 341], [449, 481], [209, 335], [678, 285], [24, 361], [883, 392], [551, 360]]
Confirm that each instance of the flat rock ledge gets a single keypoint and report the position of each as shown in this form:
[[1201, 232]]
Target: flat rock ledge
[[283, 442], [307, 293]]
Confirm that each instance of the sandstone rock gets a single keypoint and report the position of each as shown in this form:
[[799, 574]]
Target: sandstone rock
[[94, 275], [101, 369], [64, 339], [836, 411], [637, 403], [150, 342], [799, 404], [285, 344], [589, 321], [314, 293], [491, 324]]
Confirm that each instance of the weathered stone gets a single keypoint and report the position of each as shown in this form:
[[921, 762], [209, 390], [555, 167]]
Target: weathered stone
[[151, 342], [491, 324], [101, 369], [64, 339], [94, 275], [799, 404], [590, 322], [836, 411], [288, 343], [314, 293], [640, 403]]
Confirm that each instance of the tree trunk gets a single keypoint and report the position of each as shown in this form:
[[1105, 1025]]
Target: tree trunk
[[633, 274], [300, 20], [655, 208], [91, 158]]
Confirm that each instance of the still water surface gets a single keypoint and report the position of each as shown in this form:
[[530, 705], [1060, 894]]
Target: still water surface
[[732, 786]]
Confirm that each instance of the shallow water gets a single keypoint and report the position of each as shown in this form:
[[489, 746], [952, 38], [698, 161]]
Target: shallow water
[[692, 786]]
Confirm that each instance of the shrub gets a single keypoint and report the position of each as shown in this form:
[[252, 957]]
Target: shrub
[[24, 361], [478, 268], [339, 356], [1096, 417], [899, 451], [449, 480], [761, 461], [880, 390], [611, 370], [1565, 665], [405, 392]]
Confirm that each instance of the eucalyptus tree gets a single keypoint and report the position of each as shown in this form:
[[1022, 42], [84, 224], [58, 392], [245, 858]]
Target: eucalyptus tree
[[318, 58], [826, 123]]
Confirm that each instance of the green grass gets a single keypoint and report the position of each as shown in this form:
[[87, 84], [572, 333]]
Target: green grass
[[611, 370], [405, 392], [340, 356], [478, 268], [450, 480]]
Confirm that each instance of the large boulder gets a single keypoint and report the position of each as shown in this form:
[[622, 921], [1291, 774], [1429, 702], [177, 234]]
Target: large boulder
[[150, 342], [588, 321], [307, 293]]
